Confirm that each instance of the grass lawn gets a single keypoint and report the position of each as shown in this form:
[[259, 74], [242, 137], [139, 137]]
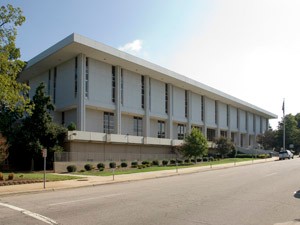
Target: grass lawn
[[118, 171], [39, 176]]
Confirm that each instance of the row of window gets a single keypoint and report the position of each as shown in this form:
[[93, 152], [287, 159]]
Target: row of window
[[142, 93]]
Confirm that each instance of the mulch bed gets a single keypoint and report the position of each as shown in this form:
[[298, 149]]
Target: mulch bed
[[16, 182]]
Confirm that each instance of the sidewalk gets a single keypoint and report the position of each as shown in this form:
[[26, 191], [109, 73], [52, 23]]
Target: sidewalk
[[101, 180]]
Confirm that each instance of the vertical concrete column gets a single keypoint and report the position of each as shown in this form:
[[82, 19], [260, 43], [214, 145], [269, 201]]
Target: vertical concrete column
[[146, 119], [170, 112], [189, 112], [81, 93], [118, 113]]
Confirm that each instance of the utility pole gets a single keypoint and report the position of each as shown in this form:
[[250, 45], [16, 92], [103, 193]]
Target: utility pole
[[283, 110]]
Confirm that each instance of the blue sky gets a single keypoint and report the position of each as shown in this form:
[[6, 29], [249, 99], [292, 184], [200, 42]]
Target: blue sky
[[248, 49]]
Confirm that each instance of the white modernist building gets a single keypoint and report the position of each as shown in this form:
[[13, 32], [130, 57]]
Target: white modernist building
[[121, 103]]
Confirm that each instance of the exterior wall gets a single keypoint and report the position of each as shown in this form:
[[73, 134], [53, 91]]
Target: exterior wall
[[132, 92], [264, 125], [65, 84], [70, 116], [153, 128], [100, 84], [222, 111], [195, 102], [94, 120], [250, 123], [210, 113], [257, 124], [242, 121], [127, 124], [35, 82], [233, 119], [178, 104], [157, 98]]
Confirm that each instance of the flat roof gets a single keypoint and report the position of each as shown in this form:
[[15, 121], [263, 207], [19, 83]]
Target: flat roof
[[75, 44]]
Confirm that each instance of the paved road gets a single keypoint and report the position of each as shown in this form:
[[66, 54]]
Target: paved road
[[260, 194]]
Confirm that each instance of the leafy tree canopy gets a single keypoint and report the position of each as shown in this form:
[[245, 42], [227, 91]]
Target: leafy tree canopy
[[12, 93], [194, 145], [224, 146]]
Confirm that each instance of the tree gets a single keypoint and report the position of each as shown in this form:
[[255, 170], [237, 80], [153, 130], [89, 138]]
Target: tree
[[268, 139], [13, 94], [194, 145], [3, 149], [224, 146], [37, 131]]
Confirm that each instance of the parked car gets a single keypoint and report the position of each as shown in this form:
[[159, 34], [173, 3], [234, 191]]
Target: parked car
[[285, 154]]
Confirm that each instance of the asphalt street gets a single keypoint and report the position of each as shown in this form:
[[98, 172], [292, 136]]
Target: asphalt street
[[265, 194]]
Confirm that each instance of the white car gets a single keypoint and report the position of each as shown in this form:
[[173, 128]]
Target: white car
[[285, 154]]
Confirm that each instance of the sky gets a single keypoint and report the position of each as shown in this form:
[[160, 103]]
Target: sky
[[249, 49]]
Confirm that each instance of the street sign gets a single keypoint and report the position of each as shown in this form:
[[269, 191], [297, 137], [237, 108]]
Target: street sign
[[44, 152]]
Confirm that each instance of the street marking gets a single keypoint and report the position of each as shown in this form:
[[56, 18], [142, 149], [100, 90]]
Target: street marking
[[271, 174], [31, 214], [85, 199]]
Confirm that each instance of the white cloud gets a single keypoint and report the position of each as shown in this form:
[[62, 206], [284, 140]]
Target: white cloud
[[133, 47]]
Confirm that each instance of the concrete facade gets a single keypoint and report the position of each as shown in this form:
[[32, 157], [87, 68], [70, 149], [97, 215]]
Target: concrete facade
[[116, 100]]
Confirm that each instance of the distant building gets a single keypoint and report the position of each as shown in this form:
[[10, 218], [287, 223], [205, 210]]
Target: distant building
[[121, 103]]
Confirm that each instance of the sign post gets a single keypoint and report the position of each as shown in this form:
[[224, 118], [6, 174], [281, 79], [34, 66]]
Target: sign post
[[44, 153]]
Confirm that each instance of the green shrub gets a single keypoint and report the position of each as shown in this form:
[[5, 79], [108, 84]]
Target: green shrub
[[10, 176], [187, 160], [1, 176], [112, 165], [172, 161], [71, 126], [101, 168], [165, 162], [205, 159], [100, 165], [145, 162], [124, 164], [199, 159], [71, 168], [141, 166], [155, 163], [88, 167], [211, 158], [134, 164]]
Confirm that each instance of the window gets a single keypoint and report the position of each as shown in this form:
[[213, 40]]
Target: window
[[122, 87], [113, 83], [202, 108], [216, 112], [166, 98], [254, 124], [246, 121], [161, 129], [186, 103], [232, 137], [138, 126], [228, 115], [260, 124], [149, 94], [223, 133], [211, 134], [76, 76], [142, 91], [181, 130], [237, 118], [242, 140], [63, 118], [87, 77], [108, 123], [54, 85], [49, 82]]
